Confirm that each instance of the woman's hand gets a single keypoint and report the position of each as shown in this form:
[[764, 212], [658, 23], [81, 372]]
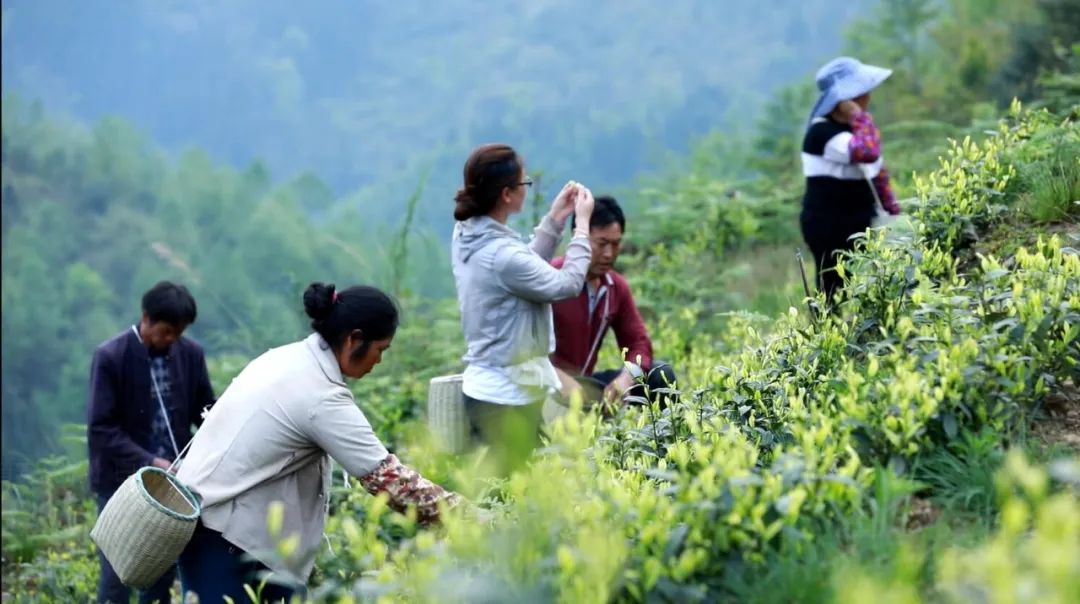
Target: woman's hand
[[583, 208], [479, 515], [563, 205], [846, 110]]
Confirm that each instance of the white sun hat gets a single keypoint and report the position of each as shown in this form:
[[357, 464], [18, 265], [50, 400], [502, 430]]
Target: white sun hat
[[845, 78]]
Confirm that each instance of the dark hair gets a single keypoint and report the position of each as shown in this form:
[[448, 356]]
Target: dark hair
[[336, 314], [489, 170], [169, 302], [605, 211]]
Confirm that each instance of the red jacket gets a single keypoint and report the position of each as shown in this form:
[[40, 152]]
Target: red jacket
[[578, 337]]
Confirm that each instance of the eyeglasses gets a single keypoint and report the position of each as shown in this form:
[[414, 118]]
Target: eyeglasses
[[528, 182]]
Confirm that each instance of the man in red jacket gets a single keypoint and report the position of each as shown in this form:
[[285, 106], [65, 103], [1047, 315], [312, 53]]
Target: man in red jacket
[[606, 302]]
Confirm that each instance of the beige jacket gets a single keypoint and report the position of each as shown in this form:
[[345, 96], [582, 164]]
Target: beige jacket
[[270, 438]]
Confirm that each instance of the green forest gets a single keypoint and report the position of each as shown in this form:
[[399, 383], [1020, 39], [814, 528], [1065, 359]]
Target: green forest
[[371, 99], [922, 444]]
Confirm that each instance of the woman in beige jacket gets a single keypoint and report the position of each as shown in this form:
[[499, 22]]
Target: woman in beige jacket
[[270, 438]]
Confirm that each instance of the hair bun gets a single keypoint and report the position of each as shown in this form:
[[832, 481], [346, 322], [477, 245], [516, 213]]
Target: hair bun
[[464, 204], [319, 300], [489, 170]]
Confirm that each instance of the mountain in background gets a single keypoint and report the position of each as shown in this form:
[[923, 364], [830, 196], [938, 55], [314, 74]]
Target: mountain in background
[[248, 148], [371, 96]]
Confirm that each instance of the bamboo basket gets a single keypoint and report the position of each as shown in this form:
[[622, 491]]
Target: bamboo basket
[[145, 526], [446, 413]]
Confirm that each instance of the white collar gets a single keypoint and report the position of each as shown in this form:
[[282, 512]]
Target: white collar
[[324, 354]]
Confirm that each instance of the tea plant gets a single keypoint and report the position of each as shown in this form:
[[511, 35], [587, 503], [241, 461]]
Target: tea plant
[[1032, 556], [782, 439], [799, 436]]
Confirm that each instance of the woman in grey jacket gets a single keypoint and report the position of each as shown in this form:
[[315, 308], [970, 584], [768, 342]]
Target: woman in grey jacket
[[505, 289]]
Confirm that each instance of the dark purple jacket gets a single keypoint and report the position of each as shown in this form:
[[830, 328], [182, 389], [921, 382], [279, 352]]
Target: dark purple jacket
[[122, 406]]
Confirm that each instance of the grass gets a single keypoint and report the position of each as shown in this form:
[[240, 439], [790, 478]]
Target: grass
[[1050, 181], [767, 278], [876, 542], [1054, 190], [881, 546], [960, 477]]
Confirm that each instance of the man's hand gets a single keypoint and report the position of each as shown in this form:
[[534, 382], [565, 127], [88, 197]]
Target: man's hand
[[617, 389], [162, 463]]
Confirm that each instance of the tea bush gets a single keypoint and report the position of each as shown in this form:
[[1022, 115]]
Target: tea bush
[[783, 437], [47, 553], [784, 430], [1033, 555]]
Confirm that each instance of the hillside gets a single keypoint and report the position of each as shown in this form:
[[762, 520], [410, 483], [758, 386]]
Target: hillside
[[922, 443], [119, 212], [808, 447], [371, 96], [805, 444]]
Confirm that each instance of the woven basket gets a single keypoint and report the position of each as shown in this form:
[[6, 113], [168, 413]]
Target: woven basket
[[145, 526], [446, 413]]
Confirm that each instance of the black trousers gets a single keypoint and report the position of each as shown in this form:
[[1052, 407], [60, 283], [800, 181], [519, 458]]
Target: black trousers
[[660, 375], [828, 234], [213, 569]]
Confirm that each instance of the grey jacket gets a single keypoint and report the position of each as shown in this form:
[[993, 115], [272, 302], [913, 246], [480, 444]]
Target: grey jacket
[[505, 288]]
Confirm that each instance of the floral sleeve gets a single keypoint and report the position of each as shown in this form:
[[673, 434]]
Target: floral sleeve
[[406, 487], [865, 144], [885, 192]]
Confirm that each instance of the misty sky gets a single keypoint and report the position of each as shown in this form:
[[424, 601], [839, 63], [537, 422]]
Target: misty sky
[[369, 94]]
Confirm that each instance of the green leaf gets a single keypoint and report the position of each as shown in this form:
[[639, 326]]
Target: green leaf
[[948, 422], [898, 465], [675, 541]]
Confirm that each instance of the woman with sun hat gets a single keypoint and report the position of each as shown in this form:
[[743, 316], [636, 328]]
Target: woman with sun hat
[[847, 185]]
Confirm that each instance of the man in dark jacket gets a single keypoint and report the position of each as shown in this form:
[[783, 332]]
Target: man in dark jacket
[[606, 302], [148, 385]]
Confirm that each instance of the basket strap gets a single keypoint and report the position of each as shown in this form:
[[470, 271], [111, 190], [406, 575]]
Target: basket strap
[[172, 466], [878, 207], [165, 415], [161, 403]]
